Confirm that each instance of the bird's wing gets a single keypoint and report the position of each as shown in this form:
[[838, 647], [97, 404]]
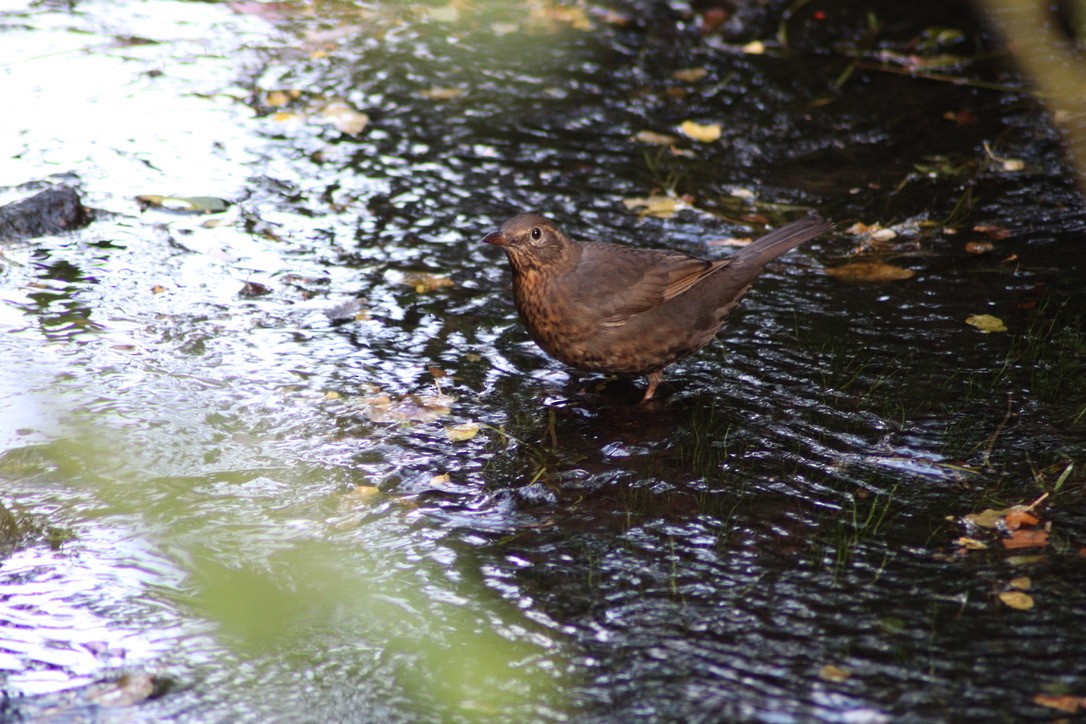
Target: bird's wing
[[620, 285]]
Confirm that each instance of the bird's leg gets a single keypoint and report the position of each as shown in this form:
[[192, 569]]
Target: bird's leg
[[654, 379]]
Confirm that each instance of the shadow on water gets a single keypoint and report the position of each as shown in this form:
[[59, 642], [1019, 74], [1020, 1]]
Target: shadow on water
[[234, 485]]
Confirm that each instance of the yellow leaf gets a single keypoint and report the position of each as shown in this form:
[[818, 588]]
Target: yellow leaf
[[986, 323], [441, 94], [360, 496], [755, 47], [705, 133], [341, 115], [829, 672], [463, 431], [971, 544], [279, 98], [1022, 583], [445, 14], [988, 519], [869, 272], [654, 138], [690, 75], [425, 282], [575, 17], [288, 117], [661, 207], [1017, 600]]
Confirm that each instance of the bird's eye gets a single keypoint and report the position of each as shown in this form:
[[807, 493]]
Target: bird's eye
[[536, 233]]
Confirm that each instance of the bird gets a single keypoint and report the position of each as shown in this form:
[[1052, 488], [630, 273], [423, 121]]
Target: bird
[[604, 307]]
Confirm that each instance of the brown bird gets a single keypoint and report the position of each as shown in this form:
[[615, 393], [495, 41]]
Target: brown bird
[[616, 309]]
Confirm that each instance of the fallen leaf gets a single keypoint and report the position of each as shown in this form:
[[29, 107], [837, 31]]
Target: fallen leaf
[[690, 75], [183, 204], [441, 94], [1022, 538], [971, 544], [128, 690], [340, 114], [350, 310], [1027, 560], [288, 117], [1066, 703], [445, 14], [425, 282], [829, 672], [440, 479], [1022, 583], [869, 272], [986, 323], [1015, 518], [331, 395], [1017, 600], [280, 98], [874, 231], [996, 232], [463, 431], [252, 290], [755, 47], [978, 247], [158, 289], [655, 139], [658, 206], [411, 408], [706, 133], [575, 17], [989, 518], [362, 495]]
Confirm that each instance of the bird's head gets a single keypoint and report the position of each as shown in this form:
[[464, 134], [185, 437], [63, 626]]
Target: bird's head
[[530, 241]]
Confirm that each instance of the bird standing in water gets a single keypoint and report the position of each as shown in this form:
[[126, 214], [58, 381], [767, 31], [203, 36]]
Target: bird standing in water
[[608, 308]]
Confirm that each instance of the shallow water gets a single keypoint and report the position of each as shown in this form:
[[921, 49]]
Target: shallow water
[[253, 498]]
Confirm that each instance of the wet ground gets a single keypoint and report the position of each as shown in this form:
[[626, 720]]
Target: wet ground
[[235, 479]]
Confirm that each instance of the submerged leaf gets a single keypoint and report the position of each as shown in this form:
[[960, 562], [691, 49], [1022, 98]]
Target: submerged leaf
[[441, 94], [657, 205], [829, 672], [184, 204], [656, 139], [463, 431], [340, 114], [876, 271], [426, 282], [690, 75]]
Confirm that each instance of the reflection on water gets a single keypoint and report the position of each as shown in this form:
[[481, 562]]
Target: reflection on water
[[266, 512]]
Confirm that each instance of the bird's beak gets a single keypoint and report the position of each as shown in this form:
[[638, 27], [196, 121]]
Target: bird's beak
[[497, 238]]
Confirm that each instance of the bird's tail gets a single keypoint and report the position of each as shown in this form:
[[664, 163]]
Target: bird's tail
[[740, 269], [767, 248]]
